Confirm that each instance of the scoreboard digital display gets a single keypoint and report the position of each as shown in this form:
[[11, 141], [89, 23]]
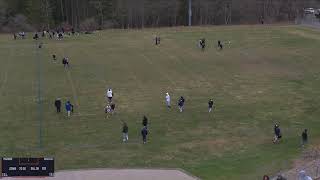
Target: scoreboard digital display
[[12, 167]]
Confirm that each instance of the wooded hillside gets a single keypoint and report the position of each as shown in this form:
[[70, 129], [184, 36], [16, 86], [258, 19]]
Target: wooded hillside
[[16, 15]]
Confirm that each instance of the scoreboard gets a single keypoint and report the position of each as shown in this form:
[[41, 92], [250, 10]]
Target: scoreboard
[[12, 167]]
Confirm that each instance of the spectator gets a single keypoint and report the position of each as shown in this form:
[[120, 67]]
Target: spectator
[[73, 31], [303, 176], [60, 36], [265, 177], [261, 20], [280, 177]]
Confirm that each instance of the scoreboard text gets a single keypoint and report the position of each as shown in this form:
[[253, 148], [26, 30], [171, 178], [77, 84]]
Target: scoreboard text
[[27, 167]]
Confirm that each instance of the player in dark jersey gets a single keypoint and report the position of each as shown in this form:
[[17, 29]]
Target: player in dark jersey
[[157, 40], [277, 134], [220, 46], [65, 62], [181, 103], [202, 44], [210, 103]]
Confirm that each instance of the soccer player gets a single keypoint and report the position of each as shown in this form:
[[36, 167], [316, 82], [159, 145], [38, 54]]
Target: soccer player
[[144, 133], [199, 43], [113, 106], [181, 103], [220, 46], [210, 103], [304, 137], [36, 36], [22, 35], [109, 95], [157, 40], [277, 134], [125, 130], [145, 121], [69, 108], [168, 100], [54, 57], [65, 62], [107, 109], [57, 104], [202, 43]]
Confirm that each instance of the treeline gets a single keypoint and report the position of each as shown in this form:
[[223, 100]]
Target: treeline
[[27, 15]]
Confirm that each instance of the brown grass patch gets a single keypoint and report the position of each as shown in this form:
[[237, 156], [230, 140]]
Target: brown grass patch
[[304, 34]]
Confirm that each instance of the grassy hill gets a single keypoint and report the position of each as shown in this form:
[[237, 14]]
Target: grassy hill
[[264, 75]]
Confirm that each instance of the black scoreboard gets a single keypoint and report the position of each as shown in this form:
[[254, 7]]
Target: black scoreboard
[[12, 167]]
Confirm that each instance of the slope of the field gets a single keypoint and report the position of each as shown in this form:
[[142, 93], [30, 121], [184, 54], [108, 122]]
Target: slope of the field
[[265, 74]]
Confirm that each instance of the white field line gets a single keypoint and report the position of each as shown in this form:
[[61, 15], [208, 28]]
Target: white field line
[[5, 79], [5, 76], [74, 93], [163, 74]]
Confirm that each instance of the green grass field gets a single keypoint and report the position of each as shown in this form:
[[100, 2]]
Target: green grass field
[[266, 74]]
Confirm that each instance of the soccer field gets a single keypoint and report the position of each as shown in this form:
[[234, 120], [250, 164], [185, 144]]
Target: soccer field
[[264, 75]]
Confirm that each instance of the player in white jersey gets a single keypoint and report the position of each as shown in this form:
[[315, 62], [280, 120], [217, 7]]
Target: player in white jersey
[[109, 95], [168, 100]]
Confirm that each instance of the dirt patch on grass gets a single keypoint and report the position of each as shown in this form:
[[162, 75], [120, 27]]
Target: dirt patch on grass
[[212, 146], [259, 62], [309, 162]]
